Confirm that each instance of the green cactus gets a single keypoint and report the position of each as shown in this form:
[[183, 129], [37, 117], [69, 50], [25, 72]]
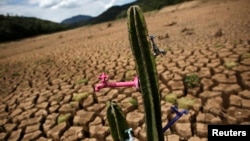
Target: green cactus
[[146, 69], [117, 122]]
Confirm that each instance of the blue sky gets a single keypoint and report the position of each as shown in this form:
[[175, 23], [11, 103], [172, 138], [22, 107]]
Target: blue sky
[[57, 10]]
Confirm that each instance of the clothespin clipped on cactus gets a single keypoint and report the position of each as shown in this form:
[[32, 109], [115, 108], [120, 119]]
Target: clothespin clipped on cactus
[[178, 115], [129, 132], [156, 50], [104, 78]]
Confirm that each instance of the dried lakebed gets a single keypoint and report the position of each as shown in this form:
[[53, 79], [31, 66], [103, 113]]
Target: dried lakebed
[[46, 82]]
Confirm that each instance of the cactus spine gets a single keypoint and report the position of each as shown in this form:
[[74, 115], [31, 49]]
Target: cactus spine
[[146, 69], [117, 122]]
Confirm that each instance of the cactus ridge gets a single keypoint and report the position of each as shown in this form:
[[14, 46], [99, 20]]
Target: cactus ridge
[[146, 69]]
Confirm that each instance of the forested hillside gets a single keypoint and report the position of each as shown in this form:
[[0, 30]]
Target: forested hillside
[[117, 12], [16, 27]]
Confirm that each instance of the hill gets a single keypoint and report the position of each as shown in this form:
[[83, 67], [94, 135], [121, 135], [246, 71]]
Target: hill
[[76, 19], [117, 12], [16, 27], [111, 14]]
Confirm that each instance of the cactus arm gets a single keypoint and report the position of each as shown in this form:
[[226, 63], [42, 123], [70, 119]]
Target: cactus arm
[[147, 72], [117, 122]]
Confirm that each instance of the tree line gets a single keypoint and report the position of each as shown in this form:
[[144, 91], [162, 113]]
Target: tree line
[[18, 27]]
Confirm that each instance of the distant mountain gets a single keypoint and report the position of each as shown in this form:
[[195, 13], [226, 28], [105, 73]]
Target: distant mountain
[[112, 13], [17, 27], [76, 19], [116, 12]]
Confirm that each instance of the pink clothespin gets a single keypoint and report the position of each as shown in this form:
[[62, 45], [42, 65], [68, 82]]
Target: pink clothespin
[[104, 83]]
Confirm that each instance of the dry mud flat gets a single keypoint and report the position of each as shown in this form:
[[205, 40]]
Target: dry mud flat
[[46, 82]]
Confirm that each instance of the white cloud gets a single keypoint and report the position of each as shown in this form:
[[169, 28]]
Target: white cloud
[[67, 4], [111, 2], [55, 4], [48, 3], [58, 10], [44, 3], [56, 15]]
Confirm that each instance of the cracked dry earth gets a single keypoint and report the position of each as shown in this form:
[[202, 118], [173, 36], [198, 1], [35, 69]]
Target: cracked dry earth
[[46, 82]]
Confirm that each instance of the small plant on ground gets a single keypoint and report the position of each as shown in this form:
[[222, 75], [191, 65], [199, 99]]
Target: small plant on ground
[[83, 81], [245, 55], [230, 64], [168, 48], [192, 80], [79, 96], [15, 74], [185, 102], [63, 118], [171, 98], [2, 71], [72, 105], [133, 101], [218, 46]]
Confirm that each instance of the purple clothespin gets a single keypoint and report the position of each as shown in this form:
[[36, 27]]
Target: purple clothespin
[[178, 115]]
